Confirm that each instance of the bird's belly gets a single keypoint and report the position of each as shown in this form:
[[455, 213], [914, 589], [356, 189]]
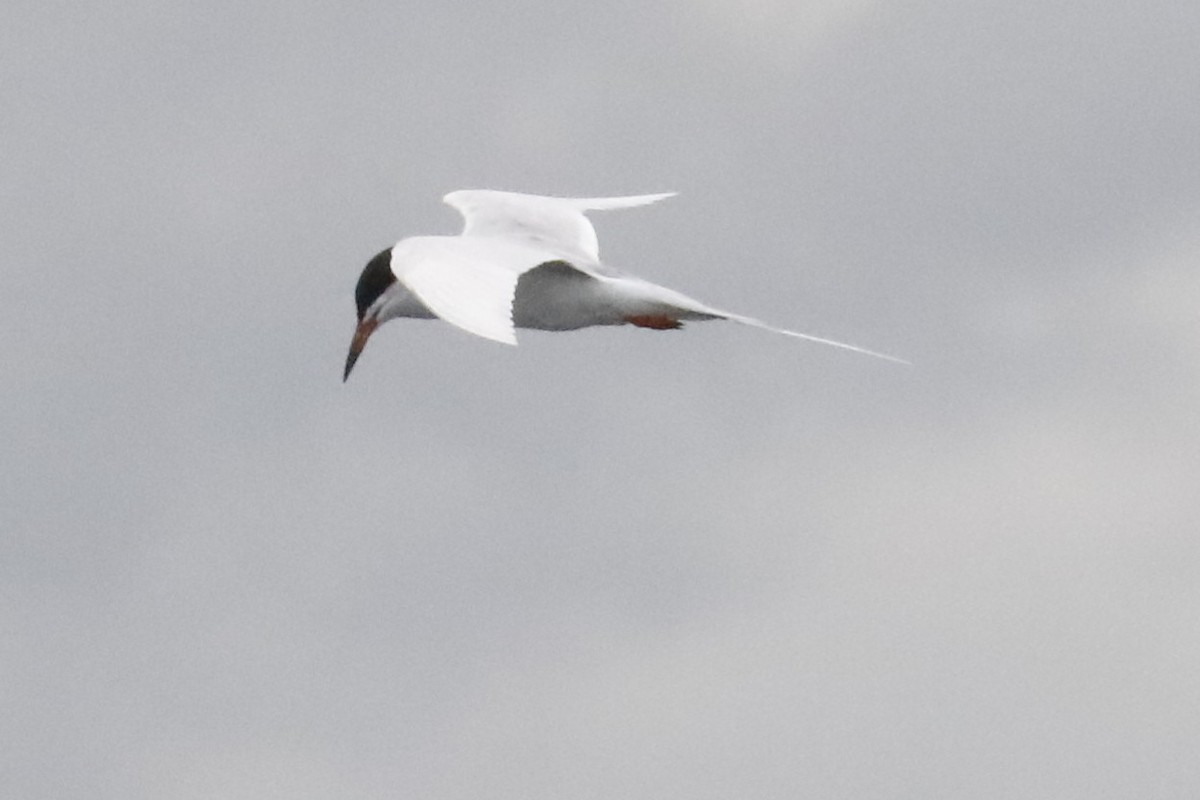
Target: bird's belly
[[560, 298]]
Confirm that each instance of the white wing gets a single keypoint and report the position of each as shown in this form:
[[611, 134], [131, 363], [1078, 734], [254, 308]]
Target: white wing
[[469, 282], [557, 222]]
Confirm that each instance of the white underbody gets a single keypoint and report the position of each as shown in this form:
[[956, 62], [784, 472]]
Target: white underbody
[[557, 297]]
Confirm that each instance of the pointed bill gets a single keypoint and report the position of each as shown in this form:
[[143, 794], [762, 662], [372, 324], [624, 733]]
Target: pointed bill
[[363, 332]]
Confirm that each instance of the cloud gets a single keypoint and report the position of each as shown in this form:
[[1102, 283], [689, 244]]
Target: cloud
[[695, 563], [777, 29]]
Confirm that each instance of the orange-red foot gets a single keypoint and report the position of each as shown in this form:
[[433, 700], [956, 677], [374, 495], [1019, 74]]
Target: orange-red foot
[[659, 322]]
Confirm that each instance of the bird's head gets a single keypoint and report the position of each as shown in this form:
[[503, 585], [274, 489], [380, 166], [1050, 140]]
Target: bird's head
[[371, 297]]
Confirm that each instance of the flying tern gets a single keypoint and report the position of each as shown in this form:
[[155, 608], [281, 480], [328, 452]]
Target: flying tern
[[524, 261]]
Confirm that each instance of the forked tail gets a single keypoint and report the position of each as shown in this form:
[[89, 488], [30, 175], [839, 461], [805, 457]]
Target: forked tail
[[677, 306], [754, 323]]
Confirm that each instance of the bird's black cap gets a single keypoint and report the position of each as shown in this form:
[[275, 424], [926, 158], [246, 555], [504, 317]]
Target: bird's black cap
[[376, 277]]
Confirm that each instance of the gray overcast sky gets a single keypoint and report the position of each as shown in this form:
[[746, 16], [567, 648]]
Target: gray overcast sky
[[615, 563]]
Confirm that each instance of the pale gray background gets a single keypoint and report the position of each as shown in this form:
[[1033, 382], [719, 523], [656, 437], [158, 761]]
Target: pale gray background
[[713, 563]]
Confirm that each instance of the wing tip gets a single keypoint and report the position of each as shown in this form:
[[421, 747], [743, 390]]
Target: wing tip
[[462, 197], [624, 201]]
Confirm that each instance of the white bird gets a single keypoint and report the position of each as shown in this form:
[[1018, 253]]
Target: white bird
[[523, 261]]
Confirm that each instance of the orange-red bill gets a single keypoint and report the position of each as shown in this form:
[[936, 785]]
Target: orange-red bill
[[361, 334]]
